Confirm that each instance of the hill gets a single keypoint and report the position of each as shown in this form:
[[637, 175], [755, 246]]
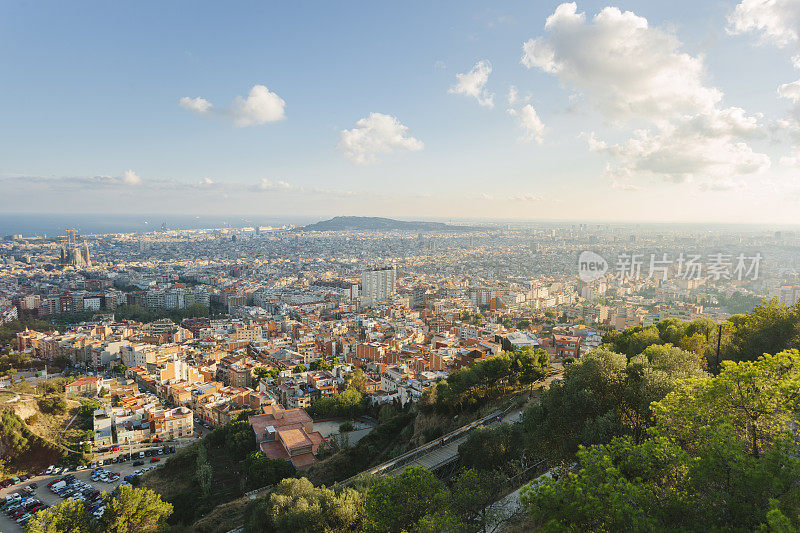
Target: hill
[[21, 451], [382, 224]]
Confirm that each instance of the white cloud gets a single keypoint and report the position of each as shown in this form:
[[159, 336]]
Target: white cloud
[[632, 71], [530, 122], [269, 185], [698, 146], [790, 91], [622, 65], [376, 134], [333, 192], [595, 144], [513, 95], [195, 105], [260, 106], [724, 185], [525, 198], [129, 177], [792, 160], [775, 21], [624, 186], [473, 83], [514, 98]]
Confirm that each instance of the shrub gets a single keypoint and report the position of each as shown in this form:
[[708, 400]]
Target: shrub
[[53, 405]]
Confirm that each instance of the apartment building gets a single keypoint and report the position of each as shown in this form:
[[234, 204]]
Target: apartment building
[[377, 286], [171, 423]]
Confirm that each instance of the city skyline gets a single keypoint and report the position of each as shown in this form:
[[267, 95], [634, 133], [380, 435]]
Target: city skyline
[[599, 111]]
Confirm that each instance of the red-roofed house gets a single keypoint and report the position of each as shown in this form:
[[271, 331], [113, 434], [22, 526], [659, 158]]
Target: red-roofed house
[[84, 385], [287, 434]]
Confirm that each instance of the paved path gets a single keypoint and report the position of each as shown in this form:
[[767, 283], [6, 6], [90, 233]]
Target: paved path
[[68, 425], [14, 399]]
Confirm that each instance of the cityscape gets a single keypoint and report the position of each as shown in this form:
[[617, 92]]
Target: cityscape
[[450, 267]]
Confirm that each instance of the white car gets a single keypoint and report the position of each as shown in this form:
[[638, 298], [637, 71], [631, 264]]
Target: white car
[[49, 470]]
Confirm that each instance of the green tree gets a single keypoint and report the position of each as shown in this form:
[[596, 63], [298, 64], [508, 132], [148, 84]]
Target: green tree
[[69, 516], [696, 343], [530, 364], [758, 399], [492, 447], [720, 457], [262, 372], [320, 364], [134, 510], [53, 405], [203, 471], [769, 328], [299, 369], [474, 498], [604, 395], [398, 503], [355, 380], [239, 439], [296, 506], [347, 404], [640, 340], [260, 471], [620, 477]]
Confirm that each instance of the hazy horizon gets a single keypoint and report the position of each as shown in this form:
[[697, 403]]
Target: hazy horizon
[[55, 224]]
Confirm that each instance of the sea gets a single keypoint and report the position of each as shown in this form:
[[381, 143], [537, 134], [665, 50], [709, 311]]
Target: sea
[[53, 225]]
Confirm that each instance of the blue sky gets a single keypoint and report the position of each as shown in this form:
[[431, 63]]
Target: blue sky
[[89, 104]]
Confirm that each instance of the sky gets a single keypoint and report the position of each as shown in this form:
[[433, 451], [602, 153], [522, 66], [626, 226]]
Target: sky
[[627, 111]]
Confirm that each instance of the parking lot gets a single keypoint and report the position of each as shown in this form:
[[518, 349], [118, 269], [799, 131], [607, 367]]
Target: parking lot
[[46, 496]]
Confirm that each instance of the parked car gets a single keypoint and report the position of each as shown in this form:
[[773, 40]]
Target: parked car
[[138, 463], [155, 460]]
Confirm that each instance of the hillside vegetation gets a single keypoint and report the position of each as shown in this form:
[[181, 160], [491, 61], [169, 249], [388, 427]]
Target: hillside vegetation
[[214, 471], [22, 452]]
